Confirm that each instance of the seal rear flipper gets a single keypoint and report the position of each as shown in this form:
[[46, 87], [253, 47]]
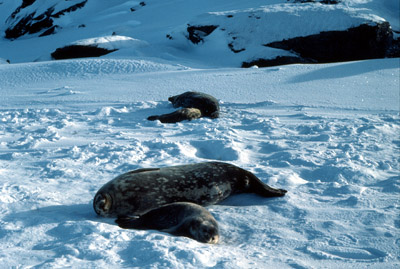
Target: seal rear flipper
[[267, 191], [178, 116], [262, 189], [130, 223], [153, 118]]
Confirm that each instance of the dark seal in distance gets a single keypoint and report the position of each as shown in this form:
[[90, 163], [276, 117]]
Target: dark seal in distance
[[137, 192], [180, 219], [195, 105]]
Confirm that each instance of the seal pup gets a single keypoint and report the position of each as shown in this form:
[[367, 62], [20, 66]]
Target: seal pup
[[195, 105], [180, 219], [137, 192], [177, 116]]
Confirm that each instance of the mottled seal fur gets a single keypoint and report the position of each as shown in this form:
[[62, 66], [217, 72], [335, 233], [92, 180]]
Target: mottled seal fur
[[195, 105], [137, 192], [181, 219], [207, 104], [177, 116]]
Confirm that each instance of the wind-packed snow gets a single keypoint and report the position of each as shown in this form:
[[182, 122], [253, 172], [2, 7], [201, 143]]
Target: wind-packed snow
[[112, 42], [328, 133]]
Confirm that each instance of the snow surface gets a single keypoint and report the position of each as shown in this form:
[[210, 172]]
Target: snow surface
[[328, 133]]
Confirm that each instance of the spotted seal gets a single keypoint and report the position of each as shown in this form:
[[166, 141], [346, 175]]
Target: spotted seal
[[180, 218], [137, 192], [177, 116], [195, 105]]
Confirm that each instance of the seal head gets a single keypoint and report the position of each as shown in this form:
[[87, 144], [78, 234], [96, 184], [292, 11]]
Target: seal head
[[102, 204]]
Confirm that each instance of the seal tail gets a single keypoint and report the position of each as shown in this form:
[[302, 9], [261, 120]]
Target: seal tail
[[262, 189]]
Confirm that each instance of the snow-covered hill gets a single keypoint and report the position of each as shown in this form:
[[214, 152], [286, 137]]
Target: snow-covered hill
[[328, 133], [204, 33]]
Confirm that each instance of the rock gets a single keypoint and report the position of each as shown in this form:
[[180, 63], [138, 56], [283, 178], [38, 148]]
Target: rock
[[280, 60], [32, 22], [197, 33], [362, 42], [79, 51]]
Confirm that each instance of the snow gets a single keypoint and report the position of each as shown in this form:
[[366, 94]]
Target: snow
[[328, 133], [113, 42]]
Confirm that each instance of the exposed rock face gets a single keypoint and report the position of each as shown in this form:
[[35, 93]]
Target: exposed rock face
[[357, 43], [362, 42], [32, 23], [79, 51], [197, 33], [280, 60], [328, 2]]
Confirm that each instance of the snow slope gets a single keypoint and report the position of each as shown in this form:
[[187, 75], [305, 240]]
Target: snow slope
[[254, 23], [329, 134]]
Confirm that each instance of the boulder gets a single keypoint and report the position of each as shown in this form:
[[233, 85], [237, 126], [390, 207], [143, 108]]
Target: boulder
[[79, 51], [362, 42]]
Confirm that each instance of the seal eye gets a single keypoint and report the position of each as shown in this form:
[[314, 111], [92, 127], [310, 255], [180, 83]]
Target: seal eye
[[102, 203]]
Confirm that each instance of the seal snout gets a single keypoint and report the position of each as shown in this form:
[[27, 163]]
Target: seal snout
[[102, 203], [213, 239], [209, 235], [205, 231]]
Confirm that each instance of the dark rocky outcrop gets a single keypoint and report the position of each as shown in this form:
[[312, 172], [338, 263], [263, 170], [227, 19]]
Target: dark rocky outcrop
[[35, 23], [280, 60], [362, 42], [358, 43], [328, 2], [79, 51], [197, 33]]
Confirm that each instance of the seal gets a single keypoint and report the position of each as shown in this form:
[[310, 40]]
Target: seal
[[207, 104], [177, 116], [180, 219], [137, 192], [195, 105]]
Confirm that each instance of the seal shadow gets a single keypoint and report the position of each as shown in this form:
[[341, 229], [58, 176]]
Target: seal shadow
[[54, 214], [247, 199]]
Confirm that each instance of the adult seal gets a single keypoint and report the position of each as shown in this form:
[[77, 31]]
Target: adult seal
[[180, 219], [194, 104], [137, 192]]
